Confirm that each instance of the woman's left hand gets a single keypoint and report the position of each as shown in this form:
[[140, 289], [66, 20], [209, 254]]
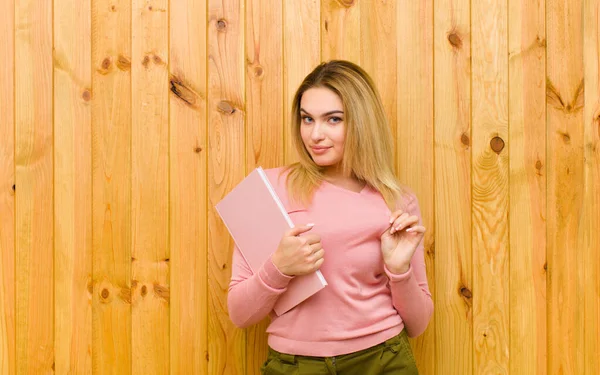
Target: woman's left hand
[[400, 240]]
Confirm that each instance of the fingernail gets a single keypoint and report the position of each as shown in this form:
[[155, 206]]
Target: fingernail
[[391, 220], [410, 230], [310, 224]]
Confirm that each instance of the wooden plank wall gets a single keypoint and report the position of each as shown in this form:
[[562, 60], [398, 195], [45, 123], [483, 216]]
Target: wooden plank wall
[[123, 122]]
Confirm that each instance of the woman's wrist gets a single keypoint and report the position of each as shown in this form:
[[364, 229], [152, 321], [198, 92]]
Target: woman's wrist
[[398, 269]]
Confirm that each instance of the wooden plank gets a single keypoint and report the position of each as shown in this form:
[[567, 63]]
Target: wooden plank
[[301, 54], [150, 188], [588, 236], [188, 187], [340, 30], [264, 120], [111, 184], [527, 140], [564, 103], [379, 52], [226, 167], [72, 186], [490, 187], [453, 295], [415, 137], [7, 191], [33, 175]]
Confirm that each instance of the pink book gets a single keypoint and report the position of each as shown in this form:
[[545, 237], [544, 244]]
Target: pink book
[[256, 219]]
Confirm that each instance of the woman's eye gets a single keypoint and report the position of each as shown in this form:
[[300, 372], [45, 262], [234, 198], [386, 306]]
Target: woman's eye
[[306, 119], [335, 120]]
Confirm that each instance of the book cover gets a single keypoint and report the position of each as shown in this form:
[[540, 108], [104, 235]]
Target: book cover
[[256, 220]]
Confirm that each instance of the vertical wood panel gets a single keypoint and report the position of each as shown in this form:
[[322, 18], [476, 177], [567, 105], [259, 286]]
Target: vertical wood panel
[[453, 257], [527, 140], [72, 186], [415, 137], [150, 188], [565, 99], [226, 168], [188, 176], [379, 52], [301, 54], [589, 237], [7, 192], [111, 184], [264, 119], [340, 30], [489, 82], [34, 177]]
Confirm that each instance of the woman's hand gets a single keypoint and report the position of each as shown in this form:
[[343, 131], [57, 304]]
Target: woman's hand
[[400, 240], [296, 255]]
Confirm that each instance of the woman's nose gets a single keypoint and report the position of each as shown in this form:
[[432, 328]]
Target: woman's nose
[[317, 133]]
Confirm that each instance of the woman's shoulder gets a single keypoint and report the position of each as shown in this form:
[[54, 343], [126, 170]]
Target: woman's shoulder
[[407, 200]]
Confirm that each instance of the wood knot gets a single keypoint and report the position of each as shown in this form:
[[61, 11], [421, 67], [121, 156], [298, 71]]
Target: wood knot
[[86, 95], [113, 8], [465, 292], [455, 40], [105, 63], [258, 71], [197, 150], [150, 8], [326, 25], [566, 138], [14, 187], [161, 292], [226, 107], [144, 290], [90, 287], [157, 60], [221, 25], [538, 165], [104, 293], [146, 61], [464, 139], [497, 144], [123, 63], [546, 266], [184, 92]]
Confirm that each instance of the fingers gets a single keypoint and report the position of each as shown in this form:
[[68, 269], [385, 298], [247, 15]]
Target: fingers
[[403, 221], [298, 230], [416, 229]]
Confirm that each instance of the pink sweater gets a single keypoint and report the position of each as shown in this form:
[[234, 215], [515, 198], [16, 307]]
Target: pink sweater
[[364, 303]]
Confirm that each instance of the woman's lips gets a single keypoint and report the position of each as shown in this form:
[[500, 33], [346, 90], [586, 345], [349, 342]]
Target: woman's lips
[[319, 150]]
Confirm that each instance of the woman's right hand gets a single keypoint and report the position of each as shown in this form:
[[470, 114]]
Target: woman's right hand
[[295, 255]]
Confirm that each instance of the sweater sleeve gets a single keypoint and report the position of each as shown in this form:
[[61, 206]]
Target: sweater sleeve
[[251, 296], [410, 292]]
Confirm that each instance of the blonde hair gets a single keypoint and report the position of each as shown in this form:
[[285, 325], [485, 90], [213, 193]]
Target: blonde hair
[[368, 149]]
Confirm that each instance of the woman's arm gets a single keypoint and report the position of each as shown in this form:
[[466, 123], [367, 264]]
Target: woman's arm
[[251, 296], [410, 292]]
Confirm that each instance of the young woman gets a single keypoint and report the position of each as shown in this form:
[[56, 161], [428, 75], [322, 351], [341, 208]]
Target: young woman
[[355, 224]]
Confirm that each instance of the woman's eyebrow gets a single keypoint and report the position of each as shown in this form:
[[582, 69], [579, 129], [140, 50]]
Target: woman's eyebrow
[[324, 114]]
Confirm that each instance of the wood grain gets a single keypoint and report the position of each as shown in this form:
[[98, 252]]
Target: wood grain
[[340, 30], [111, 184], [72, 187], [527, 140], [7, 192], [226, 168], [264, 120], [150, 188], [415, 140], [565, 180], [379, 43], [588, 236], [454, 292], [301, 54], [33, 178], [188, 188], [489, 82]]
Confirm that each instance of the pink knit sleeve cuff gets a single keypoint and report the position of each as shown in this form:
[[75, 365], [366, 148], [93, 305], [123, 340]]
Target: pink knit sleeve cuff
[[272, 277], [398, 277]]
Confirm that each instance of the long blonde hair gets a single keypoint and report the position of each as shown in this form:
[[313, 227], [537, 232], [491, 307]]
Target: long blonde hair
[[368, 149]]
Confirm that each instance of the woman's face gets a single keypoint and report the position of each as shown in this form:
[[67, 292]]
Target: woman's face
[[322, 126]]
